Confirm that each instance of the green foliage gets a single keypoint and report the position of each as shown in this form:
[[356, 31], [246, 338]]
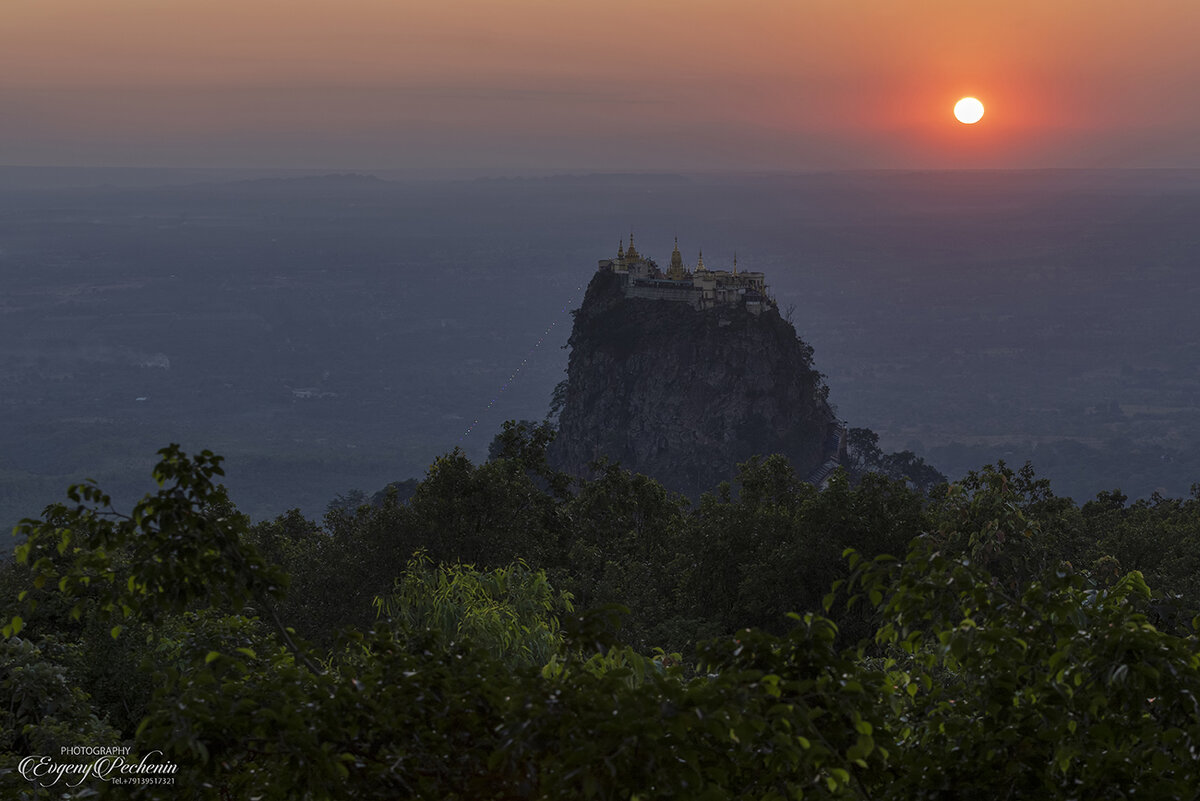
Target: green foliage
[[777, 547], [489, 514], [862, 446], [558, 401], [623, 546], [347, 502], [180, 546], [1060, 691], [1007, 652], [511, 613], [524, 442], [332, 571], [41, 708], [865, 455]]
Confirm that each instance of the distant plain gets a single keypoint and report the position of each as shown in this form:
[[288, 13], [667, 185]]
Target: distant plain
[[328, 333]]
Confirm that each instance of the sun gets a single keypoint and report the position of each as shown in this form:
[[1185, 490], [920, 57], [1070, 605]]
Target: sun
[[968, 110]]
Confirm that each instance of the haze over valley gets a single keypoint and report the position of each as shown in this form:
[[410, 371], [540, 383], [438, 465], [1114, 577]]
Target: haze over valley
[[334, 332]]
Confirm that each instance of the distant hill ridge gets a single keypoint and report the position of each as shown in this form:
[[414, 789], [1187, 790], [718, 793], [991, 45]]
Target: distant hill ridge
[[331, 179]]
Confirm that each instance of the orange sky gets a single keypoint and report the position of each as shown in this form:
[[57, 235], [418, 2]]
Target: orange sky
[[570, 84]]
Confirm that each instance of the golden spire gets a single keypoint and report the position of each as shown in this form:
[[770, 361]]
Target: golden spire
[[735, 262], [676, 272], [621, 250], [700, 268], [632, 252]]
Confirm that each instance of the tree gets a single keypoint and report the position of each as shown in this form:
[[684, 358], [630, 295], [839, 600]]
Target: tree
[[623, 545], [777, 547], [511, 612], [862, 447], [347, 502], [42, 708], [865, 456], [987, 667], [1059, 691]]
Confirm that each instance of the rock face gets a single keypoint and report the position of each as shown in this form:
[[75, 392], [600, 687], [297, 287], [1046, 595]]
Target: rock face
[[684, 395]]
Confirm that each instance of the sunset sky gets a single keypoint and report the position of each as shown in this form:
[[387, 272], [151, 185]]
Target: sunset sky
[[512, 85]]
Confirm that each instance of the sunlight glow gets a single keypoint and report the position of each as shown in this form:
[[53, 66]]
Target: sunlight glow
[[968, 110]]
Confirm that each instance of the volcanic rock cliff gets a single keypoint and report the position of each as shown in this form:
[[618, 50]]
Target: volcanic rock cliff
[[684, 395]]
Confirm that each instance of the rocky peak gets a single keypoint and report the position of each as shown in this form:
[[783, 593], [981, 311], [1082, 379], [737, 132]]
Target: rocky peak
[[685, 394]]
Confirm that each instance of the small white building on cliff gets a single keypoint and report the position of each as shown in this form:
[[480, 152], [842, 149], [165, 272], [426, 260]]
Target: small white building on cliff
[[699, 286]]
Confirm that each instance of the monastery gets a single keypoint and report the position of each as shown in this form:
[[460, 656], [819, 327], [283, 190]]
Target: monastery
[[700, 287]]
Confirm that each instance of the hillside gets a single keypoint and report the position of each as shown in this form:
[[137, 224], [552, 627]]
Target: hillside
[[682, 394]]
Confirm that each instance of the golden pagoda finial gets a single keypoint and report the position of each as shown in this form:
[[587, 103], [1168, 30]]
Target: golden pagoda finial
[[735, 262], [676, 272], [700, 268]]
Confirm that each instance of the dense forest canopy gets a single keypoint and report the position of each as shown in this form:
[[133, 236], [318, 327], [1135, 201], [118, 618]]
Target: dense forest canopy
[[500, 631]]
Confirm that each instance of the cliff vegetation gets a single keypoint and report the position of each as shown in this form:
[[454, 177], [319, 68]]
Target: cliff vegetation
[[682, 394]]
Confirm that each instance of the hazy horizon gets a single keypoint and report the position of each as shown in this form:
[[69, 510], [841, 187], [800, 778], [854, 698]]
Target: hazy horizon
[[331, 334], [60, 176], [534, 85]]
